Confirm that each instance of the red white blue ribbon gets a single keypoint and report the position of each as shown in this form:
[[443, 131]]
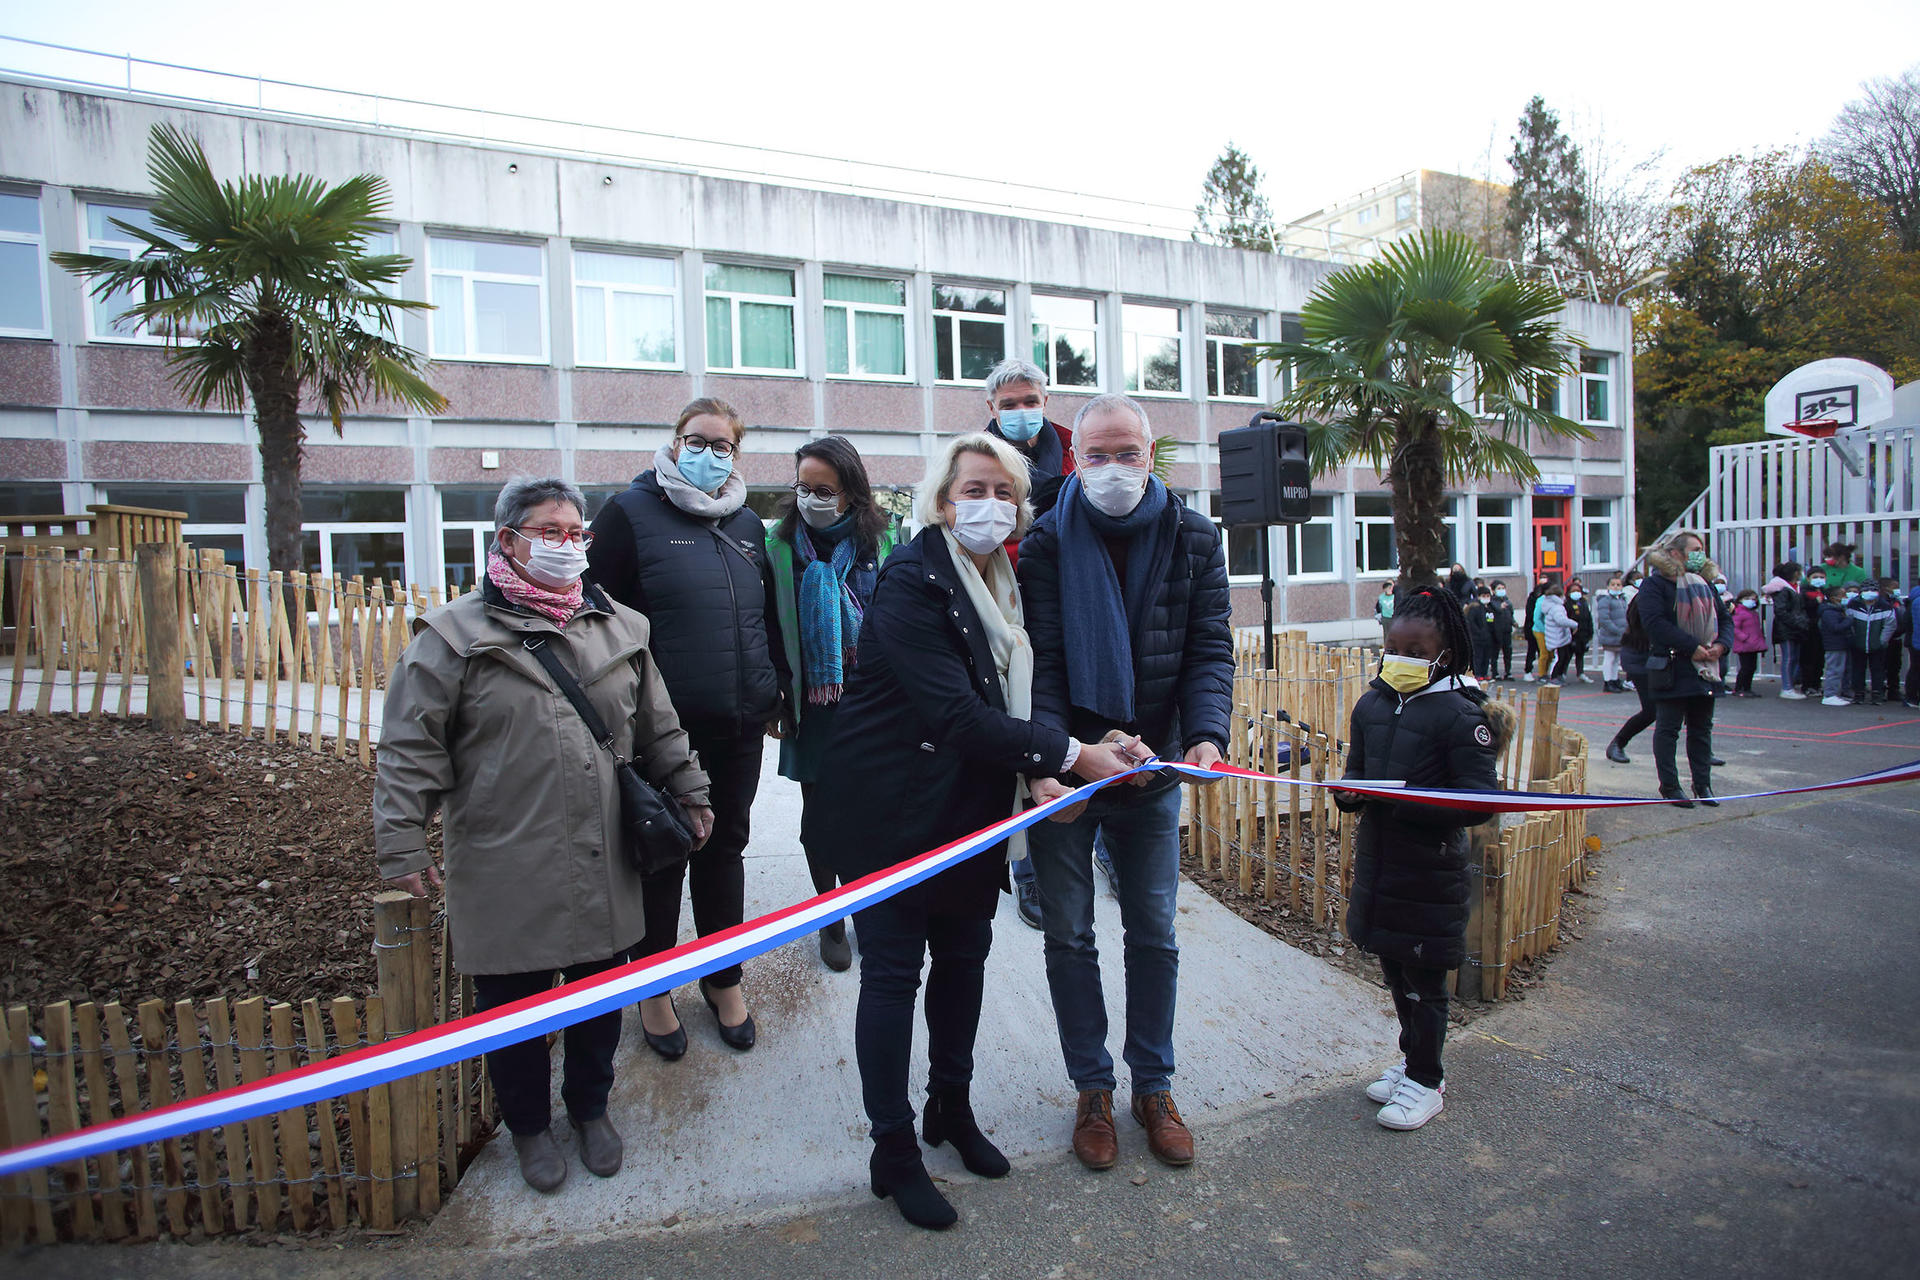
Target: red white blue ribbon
[[606, 992]]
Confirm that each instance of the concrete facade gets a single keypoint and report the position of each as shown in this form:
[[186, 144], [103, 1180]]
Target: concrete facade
[[86, 417]]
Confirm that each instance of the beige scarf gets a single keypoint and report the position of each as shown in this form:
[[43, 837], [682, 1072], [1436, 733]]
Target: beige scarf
[[996, 598]]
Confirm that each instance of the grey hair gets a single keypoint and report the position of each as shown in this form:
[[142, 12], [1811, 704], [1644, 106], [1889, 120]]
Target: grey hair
[[1114, 400], [521, 495], [1015, 370], [944, 465]]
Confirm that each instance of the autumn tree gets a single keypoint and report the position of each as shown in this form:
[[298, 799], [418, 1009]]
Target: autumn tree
[[1874, 146], [1232, 210], [1546, 205]]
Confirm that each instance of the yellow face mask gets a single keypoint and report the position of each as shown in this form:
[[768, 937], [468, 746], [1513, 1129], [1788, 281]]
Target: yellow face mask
[[1406, 675]]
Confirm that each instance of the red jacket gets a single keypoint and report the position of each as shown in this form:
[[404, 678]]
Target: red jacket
[[1045, 488]]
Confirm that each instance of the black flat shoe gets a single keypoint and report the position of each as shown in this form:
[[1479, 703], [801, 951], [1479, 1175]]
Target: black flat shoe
[[1617, 754], [1715, 761], [1678, 797], [1705, 796], [671, 1046], [741, 1037]]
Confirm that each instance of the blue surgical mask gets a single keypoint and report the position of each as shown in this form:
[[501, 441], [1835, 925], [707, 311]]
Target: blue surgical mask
[[1021, 425], [1869, 595], [703, 470], [1501, 592]]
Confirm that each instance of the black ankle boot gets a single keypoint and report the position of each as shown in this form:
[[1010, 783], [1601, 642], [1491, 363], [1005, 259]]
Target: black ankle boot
[[897, 1171], [949, 1118]]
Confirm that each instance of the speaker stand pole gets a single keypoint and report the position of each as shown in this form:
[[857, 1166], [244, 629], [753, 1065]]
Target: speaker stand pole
[[1266, 585]]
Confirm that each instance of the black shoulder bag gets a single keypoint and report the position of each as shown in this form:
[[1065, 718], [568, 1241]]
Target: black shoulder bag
[[657, 834]]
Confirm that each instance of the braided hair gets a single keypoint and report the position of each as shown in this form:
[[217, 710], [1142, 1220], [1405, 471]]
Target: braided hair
[[1439, 606]]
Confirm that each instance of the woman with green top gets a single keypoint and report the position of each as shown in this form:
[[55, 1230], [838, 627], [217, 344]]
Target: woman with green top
[[1841, 570], [826, 552]]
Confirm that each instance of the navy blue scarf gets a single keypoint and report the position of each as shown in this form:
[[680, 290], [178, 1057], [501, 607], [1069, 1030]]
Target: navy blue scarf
[[1101, 616], [1047, 457]]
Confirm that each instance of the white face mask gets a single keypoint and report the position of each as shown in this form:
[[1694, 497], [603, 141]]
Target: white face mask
[[818, 512], [1113, 489], [981, 524], [555, 568]]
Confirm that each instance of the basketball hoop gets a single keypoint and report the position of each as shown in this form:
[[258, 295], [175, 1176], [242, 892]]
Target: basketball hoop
[[1812, 428]]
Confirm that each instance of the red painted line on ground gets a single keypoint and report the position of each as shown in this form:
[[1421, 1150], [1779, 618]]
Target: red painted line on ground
[[1734, 731], [1863, 728]]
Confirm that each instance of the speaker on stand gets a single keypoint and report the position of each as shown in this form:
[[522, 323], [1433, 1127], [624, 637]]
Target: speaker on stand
[[1265, 479]]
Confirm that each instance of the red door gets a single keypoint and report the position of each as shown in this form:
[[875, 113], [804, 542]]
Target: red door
[[1552, 536]]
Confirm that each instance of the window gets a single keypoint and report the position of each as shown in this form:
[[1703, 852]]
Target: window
[[969, 332], [1495, 541], [1291, 330], [355, 533], [104, 238], [750, 319], [466, 527], [216, 514], [1368, 214], [1595, 406], [1066, 340], [23, 268], [1402, 208], [1546, 393], [1373, 549], [380, 244], [490, 298], [1155, 349], [1596, 534], [1243, 550], [1231, 373], [1310, 546], [626, 310], [866, 327]]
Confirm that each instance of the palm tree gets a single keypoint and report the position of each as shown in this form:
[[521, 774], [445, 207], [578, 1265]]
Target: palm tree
[[1374, 378], [264, 293]]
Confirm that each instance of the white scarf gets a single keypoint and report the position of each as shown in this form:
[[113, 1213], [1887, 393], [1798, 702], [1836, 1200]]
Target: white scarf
[[681, 493], [996, 598]]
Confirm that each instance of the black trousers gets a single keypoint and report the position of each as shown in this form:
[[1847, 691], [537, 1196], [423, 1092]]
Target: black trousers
[[1483, 658], [1891, 657], [1563, 658], [1420, 1000], [715, 878], [1533, 649], [1697, 714], [1813, 660], [895, 940], [1503, 654], [1639, 719], [1749, 663], [1913, 675], [824, 877], [520, 1072]]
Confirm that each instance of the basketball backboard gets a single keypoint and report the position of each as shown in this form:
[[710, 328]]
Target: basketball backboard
[[1852, 394]]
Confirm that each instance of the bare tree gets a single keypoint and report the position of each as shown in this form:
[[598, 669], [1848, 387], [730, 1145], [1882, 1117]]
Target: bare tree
[[1874, 146], [1472, 203], [1626, 202]]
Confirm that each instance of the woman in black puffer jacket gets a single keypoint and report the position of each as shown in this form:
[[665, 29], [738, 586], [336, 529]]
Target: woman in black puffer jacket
[[1425, 722]]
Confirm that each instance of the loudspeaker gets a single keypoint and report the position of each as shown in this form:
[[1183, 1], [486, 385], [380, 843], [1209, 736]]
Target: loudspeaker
[[1264, 474]]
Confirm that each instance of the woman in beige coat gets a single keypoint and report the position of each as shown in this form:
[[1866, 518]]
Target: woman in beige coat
[[536, 877]]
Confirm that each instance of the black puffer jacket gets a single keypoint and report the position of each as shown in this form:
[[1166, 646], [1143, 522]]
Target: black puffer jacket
[[1411, 892], [707, 589], [1182, 651]]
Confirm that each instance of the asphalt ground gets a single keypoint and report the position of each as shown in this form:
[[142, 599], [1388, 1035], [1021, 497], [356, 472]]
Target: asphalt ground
[[1721, 1078]]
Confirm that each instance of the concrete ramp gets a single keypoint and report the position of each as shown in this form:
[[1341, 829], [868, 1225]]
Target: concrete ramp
[[723, 1135]]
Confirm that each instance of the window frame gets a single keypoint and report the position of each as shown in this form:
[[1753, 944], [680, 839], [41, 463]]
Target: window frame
[[607, 292], [1130, 347], [949, 322], [792, 303], [1216, 357], [327, 530], [1049, 366], [38, 241], [1284, 549], [904, 311], [470, 314], [1362, 523], [1481, 522], [141, 336], [1610, 523], [1605, 381]]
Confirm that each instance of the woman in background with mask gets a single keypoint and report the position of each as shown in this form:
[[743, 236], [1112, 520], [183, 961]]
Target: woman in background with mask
[[932, 741], [680, 546], [1688, 631], [827, 551]]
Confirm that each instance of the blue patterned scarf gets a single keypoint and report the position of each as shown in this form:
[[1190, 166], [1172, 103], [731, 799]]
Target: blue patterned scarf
[[830, 608]]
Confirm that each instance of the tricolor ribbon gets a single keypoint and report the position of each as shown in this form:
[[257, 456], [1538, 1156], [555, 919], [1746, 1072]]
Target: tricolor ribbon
[[613, 989]]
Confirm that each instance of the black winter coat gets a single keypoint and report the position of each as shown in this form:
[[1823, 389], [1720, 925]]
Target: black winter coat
[[1182, 651], [1480, 622], [1665, 637], [1411, 890], [1502, 620], [707, 588], [923, 750], [1582, 615]]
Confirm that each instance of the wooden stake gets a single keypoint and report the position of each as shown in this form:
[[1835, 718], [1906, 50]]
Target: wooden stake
[[63, 1114], [380, 1129], [166, 663], [324, 1120], [250, 1018], [220, 1027], [346, 1035], [294, 1151], [126, 1074], [93, 1064], [393, 944]]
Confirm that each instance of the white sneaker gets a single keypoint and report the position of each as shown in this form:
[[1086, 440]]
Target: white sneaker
[[1381, 1090], [1527, 676], [1835, 702], [1792, 695], [1411, 1106], [1586, 679]]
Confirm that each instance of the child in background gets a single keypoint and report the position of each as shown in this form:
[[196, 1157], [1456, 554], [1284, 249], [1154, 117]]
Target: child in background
[[1556, 632], [1502, 631], [1539, 657], [1836, 633], [1425, 723], [1897, 641], [1749, 640], [1913, 645], [1609, 628], [1789, 624], [1582, 614], [1383, 609], [1872, 622], [1813, 650], [1480, 629]]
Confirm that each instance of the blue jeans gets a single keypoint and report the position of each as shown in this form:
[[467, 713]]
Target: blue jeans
[[1144, 838], [1022, 868]]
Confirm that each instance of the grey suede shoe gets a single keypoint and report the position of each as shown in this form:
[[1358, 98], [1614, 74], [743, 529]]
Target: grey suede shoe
[[600, 1147], [541, 1163]]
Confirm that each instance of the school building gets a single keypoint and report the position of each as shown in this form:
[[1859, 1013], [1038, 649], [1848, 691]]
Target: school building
[[582, 300]]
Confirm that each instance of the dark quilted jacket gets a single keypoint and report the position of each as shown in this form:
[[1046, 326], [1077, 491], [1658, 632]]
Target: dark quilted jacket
[[1410, 898], [1182, 655], [707, 589]]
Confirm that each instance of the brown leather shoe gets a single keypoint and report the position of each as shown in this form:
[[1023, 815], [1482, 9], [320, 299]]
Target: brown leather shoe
[[1167, 1135], [1093, 1138]]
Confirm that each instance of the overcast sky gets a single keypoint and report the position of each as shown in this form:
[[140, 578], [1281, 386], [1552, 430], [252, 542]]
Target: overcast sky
[[1125, 98]]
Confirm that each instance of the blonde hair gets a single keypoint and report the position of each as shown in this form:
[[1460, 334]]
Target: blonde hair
[[945, 465], [711, 406]]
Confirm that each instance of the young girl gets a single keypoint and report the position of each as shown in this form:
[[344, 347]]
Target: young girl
[[1424, 721], [1610, 628], [1749, 641]]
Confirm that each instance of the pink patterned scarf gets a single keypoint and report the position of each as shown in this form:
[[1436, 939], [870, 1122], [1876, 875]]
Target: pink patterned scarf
[[558, 605]]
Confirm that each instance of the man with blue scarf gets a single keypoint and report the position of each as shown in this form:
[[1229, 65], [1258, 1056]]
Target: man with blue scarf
[[1125, 589]]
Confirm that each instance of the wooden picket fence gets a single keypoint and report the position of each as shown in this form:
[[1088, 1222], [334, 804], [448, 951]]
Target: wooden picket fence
[[1292, 845], [371, 1159]]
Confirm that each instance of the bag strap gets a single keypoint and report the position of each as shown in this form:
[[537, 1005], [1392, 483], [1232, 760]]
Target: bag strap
[[538, 647]]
